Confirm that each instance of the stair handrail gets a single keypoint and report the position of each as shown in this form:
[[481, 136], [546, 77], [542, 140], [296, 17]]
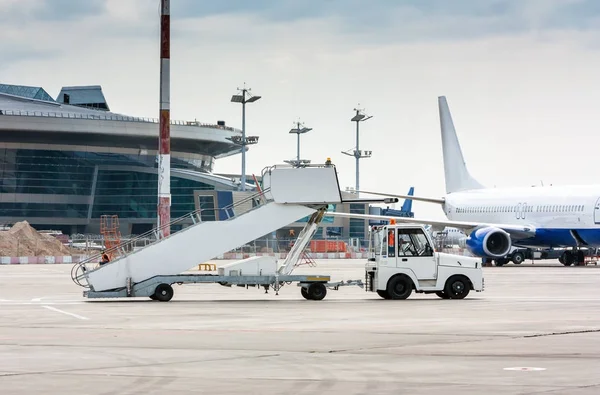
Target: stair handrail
[[156, 232]]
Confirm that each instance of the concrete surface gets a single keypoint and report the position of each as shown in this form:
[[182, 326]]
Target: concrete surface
[[215, 340]]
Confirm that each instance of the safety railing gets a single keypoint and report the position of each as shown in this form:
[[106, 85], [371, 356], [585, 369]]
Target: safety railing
[[111, 117], [79, 270]]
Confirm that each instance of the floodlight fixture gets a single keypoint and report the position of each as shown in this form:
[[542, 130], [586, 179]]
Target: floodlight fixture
[[299, 129], [243, 141], [357, 153]]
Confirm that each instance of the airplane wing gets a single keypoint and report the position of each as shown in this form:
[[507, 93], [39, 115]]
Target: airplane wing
[[515, 231], [411, 197]]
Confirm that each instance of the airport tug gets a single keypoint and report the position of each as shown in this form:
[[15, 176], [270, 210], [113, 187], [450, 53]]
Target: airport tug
[[402, 258]]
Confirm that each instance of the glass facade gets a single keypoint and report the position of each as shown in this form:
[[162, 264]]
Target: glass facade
[[357, 226], [31, 92], [60, 184]]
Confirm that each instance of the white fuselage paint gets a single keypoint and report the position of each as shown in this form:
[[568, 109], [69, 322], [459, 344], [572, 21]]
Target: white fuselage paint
[[552, 207]]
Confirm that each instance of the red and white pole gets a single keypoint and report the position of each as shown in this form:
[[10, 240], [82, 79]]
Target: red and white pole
[[164, 156]]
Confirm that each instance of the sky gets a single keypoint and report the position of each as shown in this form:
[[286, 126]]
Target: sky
[[520, 76]]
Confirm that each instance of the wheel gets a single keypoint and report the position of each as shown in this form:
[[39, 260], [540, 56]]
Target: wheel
[[457, 287], [580, 258], [163, 292], [518, 258], [399, 287], [304, 293], [316, 291], [383, 294], [442, 295], [567, 258], [153, 296], [501, 261]]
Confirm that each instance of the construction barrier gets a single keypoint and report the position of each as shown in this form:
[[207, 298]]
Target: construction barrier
[[33, 260], [317, 246]]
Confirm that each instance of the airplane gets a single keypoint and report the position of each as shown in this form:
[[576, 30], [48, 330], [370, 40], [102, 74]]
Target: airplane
[[405, 210], [452, 236], [495, 219]]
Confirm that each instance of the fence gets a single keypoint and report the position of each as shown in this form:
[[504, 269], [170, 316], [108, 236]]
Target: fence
[[111, 117]]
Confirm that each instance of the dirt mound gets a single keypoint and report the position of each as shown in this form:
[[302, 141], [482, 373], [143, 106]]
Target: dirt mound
[[23, 240]]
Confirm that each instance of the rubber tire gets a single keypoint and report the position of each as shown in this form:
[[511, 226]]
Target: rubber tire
[[580, 258], [501, 261], [163, 292], [399, 287], [460, 281], [317, 291], [518, 258], [304, 293], [383, 294], [153, 297], [442, 295], [567, 258]]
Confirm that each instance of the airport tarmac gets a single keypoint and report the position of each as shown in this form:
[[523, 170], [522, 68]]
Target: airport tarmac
[[534, 330]]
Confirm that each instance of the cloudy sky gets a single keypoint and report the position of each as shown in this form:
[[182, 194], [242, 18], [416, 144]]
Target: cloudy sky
[[520, 76]]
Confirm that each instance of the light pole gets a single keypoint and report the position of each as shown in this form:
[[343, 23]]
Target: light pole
[[357, 153], [243, 141], [164, 139], [299, 129]]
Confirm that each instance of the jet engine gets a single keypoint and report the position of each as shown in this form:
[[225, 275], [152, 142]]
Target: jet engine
[[489, 242]]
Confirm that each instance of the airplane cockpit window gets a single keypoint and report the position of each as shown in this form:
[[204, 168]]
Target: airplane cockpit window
[[413, 242]]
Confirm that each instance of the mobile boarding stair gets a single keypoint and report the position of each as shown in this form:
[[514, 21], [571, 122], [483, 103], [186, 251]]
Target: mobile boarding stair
[[289, 194]]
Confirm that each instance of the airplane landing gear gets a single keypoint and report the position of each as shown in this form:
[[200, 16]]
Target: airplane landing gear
[[576, 257]]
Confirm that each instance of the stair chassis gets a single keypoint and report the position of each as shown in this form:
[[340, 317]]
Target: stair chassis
[[312, 287]]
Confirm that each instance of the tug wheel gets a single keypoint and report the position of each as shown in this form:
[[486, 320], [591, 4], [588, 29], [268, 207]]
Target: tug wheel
[[457, 287], [163, 292], [383, 294], [399, 287], [304, 293], [315, 291], [442, 295]]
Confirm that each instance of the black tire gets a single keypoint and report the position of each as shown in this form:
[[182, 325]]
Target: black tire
[[383, 294], [501, 261], [399, 287], [153, 297], [304, 293], [163, 292], [442, 295], [317, 291], [580, 258], [567, 258], [518, 258], [457, 287]]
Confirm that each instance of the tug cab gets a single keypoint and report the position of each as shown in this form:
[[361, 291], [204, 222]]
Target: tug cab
[[402, 259]]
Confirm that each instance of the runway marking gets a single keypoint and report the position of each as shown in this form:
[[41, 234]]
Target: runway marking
[[6, 302], [525, 369], [66, 312]]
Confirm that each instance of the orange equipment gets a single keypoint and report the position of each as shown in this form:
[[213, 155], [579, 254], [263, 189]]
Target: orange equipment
[[109, 228]]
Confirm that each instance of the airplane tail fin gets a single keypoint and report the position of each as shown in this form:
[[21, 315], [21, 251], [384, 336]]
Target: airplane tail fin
[[407, 206], [455, 170]]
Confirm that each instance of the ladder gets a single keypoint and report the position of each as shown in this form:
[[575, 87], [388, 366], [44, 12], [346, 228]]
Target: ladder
[[109, 228], [297, 252]]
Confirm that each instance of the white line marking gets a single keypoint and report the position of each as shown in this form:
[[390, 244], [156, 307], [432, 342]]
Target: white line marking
[[65, 312], [525, 369], [36, 300]]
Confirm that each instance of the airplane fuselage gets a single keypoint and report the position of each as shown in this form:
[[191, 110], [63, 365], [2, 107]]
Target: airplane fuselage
[[562, 216]]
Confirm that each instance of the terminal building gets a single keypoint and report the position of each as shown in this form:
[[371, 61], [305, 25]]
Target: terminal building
[[65, 162]]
